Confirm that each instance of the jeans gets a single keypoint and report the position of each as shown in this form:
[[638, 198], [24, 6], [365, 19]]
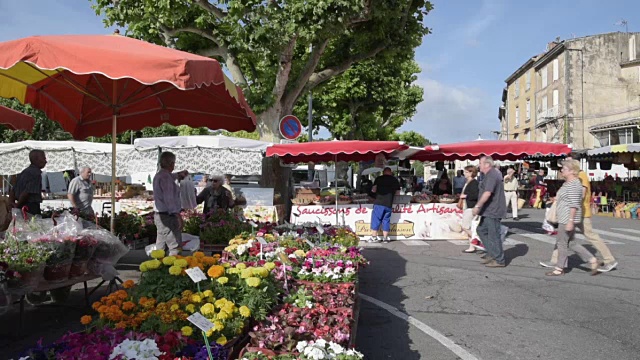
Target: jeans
[[489, 232]]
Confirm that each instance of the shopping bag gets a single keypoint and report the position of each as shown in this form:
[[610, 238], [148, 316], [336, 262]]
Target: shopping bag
[[551, 213]]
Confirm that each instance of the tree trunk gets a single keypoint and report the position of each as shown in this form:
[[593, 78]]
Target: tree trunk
[[273, 174]]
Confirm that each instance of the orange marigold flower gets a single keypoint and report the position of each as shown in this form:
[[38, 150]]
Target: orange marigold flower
[[215, 271], [128, 305], [121, 325], [128, 284], [86, 320], [96, 305], [121, 295], [198, 254]]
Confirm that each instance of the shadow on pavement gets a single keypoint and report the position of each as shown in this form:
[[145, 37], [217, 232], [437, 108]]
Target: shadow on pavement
[[514, 252], [381, 335]]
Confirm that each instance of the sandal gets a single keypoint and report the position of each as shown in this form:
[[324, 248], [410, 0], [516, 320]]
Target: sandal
[[469, 251], [555, 272]]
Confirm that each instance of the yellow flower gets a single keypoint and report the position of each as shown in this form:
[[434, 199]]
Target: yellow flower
[[233, 271], [153, 264], [209, 332], [299, 253], [222, 280], [175, 270], [207, 309], [175, 307], [190, 308], [241, 266], [207, 293], [181, 262], [198, 254], [226, 265], [218, 326], [261, 271], [169, 260], [253, 281], [229, 307], [270, 266], [246, 273], [187, 330], [196, 298], [86, 320], [222, 340], [157, 254], [245, 311], [220, 302], [143, 267], [223, 315]]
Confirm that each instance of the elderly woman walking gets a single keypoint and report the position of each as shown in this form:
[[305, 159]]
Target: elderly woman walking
[[569, 213]]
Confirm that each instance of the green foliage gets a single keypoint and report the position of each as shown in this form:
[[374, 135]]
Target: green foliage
[[411, 138], [44, 129], [369, 101], [265, 45], [161, 285]]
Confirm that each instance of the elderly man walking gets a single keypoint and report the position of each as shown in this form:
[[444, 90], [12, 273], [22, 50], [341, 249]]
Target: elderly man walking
[[491, 206], [28, 189], [166, 195], [80, 192], [511, 191]]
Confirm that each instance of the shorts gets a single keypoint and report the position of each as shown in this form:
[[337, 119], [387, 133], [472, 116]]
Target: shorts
[[381, 214]]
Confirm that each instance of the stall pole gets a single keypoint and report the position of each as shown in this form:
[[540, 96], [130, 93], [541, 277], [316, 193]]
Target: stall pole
[[113, 156], [335, 181]]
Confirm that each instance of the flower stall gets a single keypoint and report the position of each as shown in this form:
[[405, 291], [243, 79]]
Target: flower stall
[[281, 293]]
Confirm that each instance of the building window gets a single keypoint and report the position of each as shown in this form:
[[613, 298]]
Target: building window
[[543, 76], [528, 109], [556, 70], [555, 98], [632, 48], [622, 136], [527, 78], [517, 116], [517, 85], [527, 134]]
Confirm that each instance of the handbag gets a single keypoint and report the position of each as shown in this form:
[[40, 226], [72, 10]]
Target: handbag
[[461, 201], [552, 214]]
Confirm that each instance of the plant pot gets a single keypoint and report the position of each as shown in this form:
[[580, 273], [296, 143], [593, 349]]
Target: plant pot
[[78, 268], [28, 281], [57, 272]]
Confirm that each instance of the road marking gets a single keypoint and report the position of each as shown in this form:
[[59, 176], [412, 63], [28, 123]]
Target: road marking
[[627, 230], [459, 242], [552, 240], [507, 242], [415, 243], [455, 348], [618, 236]]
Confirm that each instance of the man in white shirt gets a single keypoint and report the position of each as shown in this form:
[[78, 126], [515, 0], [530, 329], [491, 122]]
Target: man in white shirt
[[80, 192], [166, 196], [511, 192], [188, 194]]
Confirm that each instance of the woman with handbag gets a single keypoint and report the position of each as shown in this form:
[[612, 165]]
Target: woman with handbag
[[567, 211], [468, 199]]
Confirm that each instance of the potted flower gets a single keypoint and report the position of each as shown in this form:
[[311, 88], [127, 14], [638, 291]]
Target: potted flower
[[26, 260], [59, 263], [85, 247], [218, 228]]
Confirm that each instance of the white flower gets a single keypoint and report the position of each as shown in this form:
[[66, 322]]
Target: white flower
[[314, 353], [301, 345], [336, 348], [139, 350]]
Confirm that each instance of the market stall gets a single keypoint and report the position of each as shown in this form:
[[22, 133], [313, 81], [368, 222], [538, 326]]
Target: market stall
[[426, 218]]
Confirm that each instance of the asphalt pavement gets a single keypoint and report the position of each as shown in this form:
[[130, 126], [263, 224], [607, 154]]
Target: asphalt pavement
[[428, 300]]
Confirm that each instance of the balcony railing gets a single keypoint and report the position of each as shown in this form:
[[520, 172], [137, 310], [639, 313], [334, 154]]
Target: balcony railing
[[548, 115]]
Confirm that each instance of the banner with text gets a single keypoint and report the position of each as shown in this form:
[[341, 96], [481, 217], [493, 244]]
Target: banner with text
[[410, 221]]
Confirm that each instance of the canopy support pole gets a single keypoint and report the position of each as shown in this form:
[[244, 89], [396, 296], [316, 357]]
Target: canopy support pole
[[335, 180], [114, 122]]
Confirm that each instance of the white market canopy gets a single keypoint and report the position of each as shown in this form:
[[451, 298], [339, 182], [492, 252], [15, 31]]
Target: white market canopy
[[70, 155], [209, 154]]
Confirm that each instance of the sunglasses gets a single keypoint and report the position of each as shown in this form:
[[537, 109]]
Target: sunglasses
[[214, 180]]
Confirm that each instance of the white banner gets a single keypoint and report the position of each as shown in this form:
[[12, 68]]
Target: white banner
[[410, 221]]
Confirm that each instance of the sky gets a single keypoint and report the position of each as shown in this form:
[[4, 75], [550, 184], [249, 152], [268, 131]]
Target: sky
[[474, 46]]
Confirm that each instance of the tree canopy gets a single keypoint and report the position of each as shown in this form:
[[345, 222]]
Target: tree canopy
[[276, 50]]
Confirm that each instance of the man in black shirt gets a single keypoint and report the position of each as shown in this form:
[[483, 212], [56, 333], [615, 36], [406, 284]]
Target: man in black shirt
[[385, 187]]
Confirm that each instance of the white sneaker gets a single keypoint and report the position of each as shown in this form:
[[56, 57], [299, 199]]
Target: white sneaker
[[373, 239], [608, 267], [386, 240]]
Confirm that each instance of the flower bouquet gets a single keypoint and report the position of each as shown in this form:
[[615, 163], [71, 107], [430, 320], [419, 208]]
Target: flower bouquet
[[62, 253], [85, 247], [26, 260]]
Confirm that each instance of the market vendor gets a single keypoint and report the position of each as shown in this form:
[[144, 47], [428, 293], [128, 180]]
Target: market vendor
[[80, 192], [28, 189], [215, 196], [166, 195]]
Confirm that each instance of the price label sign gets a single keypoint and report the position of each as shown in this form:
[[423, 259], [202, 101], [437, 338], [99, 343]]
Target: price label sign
[[320, 229], [310, 243], [283, 257], [200, 321], [196, 274], [262, 241]]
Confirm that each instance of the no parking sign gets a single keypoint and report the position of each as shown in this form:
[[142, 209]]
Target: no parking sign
[[290, 127]]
